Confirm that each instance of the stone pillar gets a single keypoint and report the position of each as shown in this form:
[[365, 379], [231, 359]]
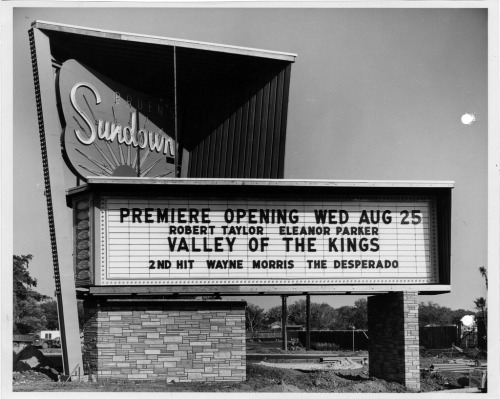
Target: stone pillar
[[394, 342]]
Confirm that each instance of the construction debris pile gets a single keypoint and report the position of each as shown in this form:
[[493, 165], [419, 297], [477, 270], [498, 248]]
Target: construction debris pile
[[30, 364]]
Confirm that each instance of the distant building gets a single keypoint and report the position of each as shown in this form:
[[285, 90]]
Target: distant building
[[50, 334], [289, 327]]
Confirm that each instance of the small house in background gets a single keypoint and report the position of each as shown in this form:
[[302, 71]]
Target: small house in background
[[289, 327], [50, 334]]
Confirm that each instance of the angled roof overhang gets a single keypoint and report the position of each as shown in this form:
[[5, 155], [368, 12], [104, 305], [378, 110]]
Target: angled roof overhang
[[146, 62]]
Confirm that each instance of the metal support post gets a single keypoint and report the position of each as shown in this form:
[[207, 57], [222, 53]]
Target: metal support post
[[284, 318], [49, 130], [308, 322]]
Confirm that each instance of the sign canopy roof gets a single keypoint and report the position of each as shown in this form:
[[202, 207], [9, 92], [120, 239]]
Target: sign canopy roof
[[164, 41], [146, 62]]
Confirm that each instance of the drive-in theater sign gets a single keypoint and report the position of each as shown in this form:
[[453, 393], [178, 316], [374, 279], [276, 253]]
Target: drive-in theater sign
[[180, 195]]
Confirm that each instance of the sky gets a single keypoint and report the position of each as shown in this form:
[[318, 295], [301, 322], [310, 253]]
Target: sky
[[375, 94]]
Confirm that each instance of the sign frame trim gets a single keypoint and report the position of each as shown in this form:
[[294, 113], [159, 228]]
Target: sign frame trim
[[106, 279]]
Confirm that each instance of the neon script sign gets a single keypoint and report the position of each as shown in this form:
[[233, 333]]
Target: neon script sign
[[129, 135], [112, 130]]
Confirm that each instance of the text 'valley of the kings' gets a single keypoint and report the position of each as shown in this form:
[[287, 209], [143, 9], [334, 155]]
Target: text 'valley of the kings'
[[128, 135]]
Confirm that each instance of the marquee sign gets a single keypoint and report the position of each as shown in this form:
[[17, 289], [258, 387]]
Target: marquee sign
[[112, 130], [160, 241]]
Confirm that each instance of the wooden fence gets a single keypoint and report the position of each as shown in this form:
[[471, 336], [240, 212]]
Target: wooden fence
[[439, 337], [341, 338], [344, 339]]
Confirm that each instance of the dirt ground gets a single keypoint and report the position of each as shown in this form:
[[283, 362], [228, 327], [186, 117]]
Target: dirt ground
[[40, 377]]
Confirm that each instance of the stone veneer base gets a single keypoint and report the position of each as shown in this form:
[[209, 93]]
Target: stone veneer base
[[167, 340]]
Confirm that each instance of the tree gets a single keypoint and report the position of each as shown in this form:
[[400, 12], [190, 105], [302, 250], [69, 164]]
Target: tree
[[297, 313], [480, 304], [22, 279], [345, 318], [254, 318], [28, 315], [322, 316], [273, 315], [50, 310], [456, 315], [361, 313], [482, 314], [432, 314], [484, 274]]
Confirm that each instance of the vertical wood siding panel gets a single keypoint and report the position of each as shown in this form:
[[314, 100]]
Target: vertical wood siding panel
[[270, 129], [250, 136], [206, 157], [243, 140], [200, 159], [217, 154], [199, 156], [263, 132], [191, 148], [223, 149], [284, 115], [213, 154], [277, 128], [236, 144], [250, 142], [224, 135], [199, 163], [256, 135], [192, 162], [230, 145]]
